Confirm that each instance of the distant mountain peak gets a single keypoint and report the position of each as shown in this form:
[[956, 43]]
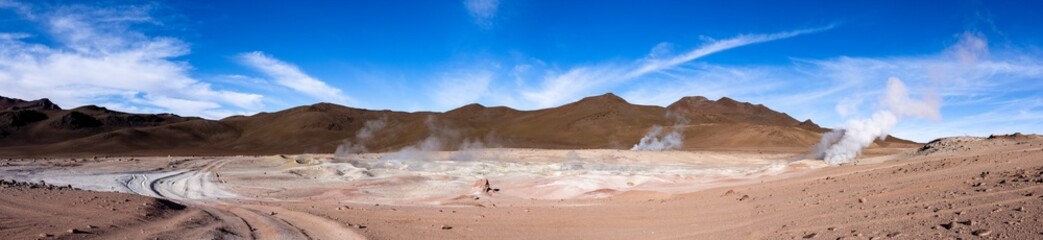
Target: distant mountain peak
[[468, 108], [324, 107], [604, 98], [12, 104]]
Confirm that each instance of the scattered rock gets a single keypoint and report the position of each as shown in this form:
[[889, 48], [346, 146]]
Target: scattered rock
[[982, 232], [446, 227]]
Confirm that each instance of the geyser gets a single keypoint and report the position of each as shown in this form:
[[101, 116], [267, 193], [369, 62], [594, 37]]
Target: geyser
[[845, 143]]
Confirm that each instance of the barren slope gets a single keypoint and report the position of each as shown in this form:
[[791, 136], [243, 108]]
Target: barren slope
[[605, 121]]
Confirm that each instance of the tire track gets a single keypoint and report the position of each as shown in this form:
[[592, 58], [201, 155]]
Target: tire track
[[198, 185]]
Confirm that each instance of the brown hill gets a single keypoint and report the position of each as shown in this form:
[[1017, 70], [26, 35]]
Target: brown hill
[[605, 121], [11, 104]]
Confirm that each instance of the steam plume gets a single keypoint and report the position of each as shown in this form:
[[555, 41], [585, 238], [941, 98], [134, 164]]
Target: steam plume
[[843, 144], [362, 136], [440, 137], [656, 140]]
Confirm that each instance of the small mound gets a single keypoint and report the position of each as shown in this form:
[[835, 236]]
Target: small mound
[[1014, 136], [948, 145]]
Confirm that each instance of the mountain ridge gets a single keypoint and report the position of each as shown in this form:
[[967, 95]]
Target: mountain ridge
[[603, 121]]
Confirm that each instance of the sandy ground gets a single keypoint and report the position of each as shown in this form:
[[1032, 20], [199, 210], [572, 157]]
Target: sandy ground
[[964, 188], [41, 211]]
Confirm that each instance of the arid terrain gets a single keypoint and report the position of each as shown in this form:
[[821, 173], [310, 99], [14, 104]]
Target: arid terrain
[[704, 169], [953, 188]]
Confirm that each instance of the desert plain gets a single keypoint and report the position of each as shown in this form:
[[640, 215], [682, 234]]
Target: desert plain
[[953, 188]]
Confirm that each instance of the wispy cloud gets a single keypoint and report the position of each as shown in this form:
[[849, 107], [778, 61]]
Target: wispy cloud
[[20, 8], [483, 11], [460, 88], [975, 80], [579, 81], [290, 76], [96, 58], [657, 64]]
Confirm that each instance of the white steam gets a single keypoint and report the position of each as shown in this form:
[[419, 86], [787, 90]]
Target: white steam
[[656, 140], [362, 136], [440, 138], [843, 144]]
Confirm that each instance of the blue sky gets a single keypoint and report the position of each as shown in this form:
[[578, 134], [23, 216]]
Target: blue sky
[[828, 61]]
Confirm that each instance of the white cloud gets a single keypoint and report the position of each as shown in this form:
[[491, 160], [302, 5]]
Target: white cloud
[[573, 84], [97, 59], [14, 36], [580, 81], [19, 8], [975, 81], [711, 81], [290, 76], [483, 11], [461, 88], [657, 64]]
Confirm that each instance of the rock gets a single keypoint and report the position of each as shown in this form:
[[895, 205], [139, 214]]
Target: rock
[[75, 231], [43, 235], [810, 235], [949, 226], [360, 226], [862, 200], [744, 198], [894, 234], [446, 227], [481, 187], [982, 232]]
